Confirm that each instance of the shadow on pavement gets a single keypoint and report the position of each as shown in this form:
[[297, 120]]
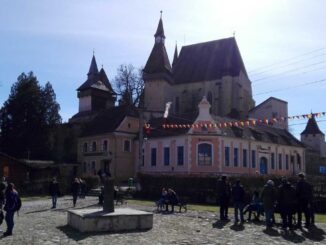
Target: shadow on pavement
[[292, 236], [314, 233], [38, 211], [237, 227], [219, 224], [271, 232]]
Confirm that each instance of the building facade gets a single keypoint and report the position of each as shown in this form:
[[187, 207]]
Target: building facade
[[248, 150]]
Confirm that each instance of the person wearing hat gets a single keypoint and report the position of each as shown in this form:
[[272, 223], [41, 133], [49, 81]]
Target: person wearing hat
[[268, 196], [286, 202], [223, 195], [304, 195]]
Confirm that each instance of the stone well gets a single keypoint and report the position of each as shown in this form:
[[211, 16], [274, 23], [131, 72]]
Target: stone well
[[122, 219]]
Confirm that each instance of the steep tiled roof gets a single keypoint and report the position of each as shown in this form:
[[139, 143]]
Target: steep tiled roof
[[208, 61], [175, 56], [158, 61], [160, 29], [312, 127], [108, 120]]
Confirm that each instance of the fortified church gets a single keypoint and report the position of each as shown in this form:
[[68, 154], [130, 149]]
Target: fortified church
[[206, 84]]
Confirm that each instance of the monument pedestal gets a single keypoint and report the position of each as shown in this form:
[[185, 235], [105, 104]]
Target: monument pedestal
[[122, 219]]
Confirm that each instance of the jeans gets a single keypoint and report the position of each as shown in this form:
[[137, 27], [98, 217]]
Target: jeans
[[10, 221], [303, 207], [74, 199], [224, 206], [54, 201], [269, 215], [238, 207]]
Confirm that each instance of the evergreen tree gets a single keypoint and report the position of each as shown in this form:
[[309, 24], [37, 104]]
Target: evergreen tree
[[27, 119]]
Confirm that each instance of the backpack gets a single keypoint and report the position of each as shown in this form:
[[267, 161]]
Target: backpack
[[18, 204]]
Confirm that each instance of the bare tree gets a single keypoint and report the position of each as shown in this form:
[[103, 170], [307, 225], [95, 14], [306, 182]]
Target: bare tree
[[129, 84]]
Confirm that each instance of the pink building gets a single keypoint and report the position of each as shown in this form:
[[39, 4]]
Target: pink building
[[248, 150]]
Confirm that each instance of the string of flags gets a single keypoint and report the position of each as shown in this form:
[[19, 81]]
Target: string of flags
[[241, 123]]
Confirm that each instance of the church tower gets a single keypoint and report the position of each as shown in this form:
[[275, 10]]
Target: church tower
[[96, 92], [157, 75], [313, 137]]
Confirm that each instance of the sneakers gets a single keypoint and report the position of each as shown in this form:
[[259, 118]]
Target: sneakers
[[7, 234]]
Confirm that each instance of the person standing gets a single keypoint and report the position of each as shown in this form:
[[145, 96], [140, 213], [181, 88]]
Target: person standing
[[75, 191], [268, 197], [54, 192], [3, 186], [10, 207], [223, 195], [305, 196], [286, 202], [238, 195]]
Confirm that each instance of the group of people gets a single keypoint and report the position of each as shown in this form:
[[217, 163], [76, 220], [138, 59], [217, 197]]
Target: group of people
[[9, 202], [78, 189], [168, 197], [285, 199]]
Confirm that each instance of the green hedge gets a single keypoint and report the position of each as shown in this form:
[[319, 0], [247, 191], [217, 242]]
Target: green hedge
[[202, 189]]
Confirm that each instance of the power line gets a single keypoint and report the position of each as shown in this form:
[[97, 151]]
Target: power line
[[292, 63], [291, 87], [295, 124], [286, 60], [289, 71]]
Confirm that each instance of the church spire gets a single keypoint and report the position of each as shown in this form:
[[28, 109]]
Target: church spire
[[159, 35], [175, 57], [158, 61], [312, 127], [93, 70]]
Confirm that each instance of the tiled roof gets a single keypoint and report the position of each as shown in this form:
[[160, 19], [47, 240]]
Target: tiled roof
[[108, 120], [160, 29], [208, 61], [262, 133], [312, 127], [158, 61]]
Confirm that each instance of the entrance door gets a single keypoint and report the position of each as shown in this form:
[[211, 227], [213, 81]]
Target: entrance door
[[263, 165]]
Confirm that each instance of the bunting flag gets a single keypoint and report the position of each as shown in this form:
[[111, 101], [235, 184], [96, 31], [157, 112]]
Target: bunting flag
[[242, 123]]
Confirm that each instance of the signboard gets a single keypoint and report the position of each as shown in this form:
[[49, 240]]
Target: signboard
[[322, 169]]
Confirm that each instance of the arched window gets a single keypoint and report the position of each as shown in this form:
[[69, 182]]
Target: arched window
[[205, 154], [94, 146], [85, 147]]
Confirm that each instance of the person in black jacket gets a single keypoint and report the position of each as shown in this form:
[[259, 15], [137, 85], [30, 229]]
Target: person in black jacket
[[10, 207], [172, 199], [75, 191], [238, 195], [223, 195], [286, 202], [304, 196], [54, 192]]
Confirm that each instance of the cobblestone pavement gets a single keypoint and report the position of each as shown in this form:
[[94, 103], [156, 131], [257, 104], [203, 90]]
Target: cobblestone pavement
[[38, 224]]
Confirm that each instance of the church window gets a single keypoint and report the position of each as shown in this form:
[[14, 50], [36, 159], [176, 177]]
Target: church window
[[177, 105], [204, 153]]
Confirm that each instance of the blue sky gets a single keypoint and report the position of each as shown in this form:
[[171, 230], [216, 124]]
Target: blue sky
[[282, 42]]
